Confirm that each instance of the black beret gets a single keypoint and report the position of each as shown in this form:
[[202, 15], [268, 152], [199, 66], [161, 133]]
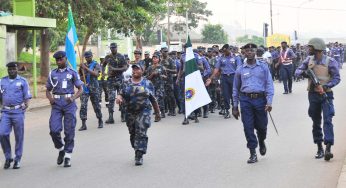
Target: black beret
[[210, 49], [59, 54], [11, 64], [113, 45], [249, 45], [88, 54], [226, 46]]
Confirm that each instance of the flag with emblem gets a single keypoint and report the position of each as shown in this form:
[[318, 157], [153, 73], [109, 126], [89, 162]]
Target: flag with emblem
[[71, 40], [196, 94]]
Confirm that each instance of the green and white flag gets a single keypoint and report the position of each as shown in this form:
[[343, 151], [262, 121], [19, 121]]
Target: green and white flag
[[196, 94]]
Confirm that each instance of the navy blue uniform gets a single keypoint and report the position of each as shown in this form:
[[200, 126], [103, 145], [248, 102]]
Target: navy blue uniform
[[13, 94]]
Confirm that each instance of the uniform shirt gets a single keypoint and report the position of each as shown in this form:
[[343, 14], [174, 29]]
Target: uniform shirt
[[157, 80], [169, 64], [147, 62], [14, 92], [275, 54], [288, 53], [63, 81], [253, 79], [206, 67], [115, 61], [137, 96], [333, 68], [227, 64], [92, 85]]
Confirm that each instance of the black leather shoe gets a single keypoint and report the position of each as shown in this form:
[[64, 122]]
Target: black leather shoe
[[186, 121], [8, 163], [163, 115], [82, 128], [100, 124], [227, 115], [139, 158], [262, 148], [60, 159], [253, 157], [67, 162], [290, 91], [222, 112], [328, 154], [285, 93], [110, 120], [16, 165]]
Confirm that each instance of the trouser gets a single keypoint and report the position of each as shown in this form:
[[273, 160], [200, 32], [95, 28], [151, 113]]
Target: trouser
[[9, 121], [94, 97], [63, 116], [138, 124], [254, 117], [227, 89], [169, 95], [317, 106], [286, 72], [103, 88], [114, 85], [177, 93]]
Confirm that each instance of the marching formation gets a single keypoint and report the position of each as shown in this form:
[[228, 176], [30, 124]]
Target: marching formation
[[239, 82]]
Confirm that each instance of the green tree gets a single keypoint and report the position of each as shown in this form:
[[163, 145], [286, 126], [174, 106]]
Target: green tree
[[214, 34], [253, 39]]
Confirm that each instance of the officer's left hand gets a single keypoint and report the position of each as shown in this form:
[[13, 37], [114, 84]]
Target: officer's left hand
[[268, 108], [157, 117], [320, 89], [235, 113], [26, 105], [70, 99]]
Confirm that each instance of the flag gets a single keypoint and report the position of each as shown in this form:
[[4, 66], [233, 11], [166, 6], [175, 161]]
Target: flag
[[71, 40], [196, 94]]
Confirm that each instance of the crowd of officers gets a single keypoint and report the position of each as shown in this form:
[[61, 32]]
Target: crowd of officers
[[231, 75]]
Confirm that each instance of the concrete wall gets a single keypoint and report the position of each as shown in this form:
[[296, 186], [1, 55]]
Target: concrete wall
[[2, 50]]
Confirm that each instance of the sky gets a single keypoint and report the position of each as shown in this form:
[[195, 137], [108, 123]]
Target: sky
[[310, 18]]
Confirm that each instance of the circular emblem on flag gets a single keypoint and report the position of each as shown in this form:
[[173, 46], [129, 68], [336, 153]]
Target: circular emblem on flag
[[189, 93]]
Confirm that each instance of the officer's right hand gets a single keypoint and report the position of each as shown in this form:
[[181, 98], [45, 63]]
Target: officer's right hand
[[157, 117], [119, 101], [51, 101], [235, 113], [208, 81]]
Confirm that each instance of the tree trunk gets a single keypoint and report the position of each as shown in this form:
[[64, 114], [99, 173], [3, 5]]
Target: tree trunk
[[22, 36], [139, 42], [44, 47], [85, 41]]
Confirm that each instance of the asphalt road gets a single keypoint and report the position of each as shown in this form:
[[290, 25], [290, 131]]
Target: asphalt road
[[212, 153]]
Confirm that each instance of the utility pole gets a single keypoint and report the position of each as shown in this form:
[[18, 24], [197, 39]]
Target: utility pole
[[168, 25], [271, 16]]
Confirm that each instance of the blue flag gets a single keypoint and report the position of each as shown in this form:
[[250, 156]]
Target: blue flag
[[71, 40]]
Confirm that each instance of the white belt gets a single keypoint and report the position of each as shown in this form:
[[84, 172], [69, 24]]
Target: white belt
[[287, 63], [13, 107], [62, 96]]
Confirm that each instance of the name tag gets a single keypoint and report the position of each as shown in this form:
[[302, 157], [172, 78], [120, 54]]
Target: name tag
[[18, 84], [64, 84]]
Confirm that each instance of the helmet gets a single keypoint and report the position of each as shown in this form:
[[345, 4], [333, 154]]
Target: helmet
[[317, 44]]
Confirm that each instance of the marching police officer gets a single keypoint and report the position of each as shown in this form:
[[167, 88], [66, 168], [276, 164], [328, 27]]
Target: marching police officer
[[90, 71], [14, 96], [116, 66], [102, 79], [254, 90], [321, 97], [286, 66], [137, 94], [60, 92]]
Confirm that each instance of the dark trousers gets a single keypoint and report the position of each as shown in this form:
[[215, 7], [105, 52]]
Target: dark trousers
[[317, 106], [227, 89], [286, 72], [253, 117]]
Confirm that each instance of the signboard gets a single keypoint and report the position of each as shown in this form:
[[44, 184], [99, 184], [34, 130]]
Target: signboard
[[276, 39]]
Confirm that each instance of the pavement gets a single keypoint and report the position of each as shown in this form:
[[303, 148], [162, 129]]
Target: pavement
[[212, 153]]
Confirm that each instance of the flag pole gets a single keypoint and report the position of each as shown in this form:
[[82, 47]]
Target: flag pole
[[81, 61]]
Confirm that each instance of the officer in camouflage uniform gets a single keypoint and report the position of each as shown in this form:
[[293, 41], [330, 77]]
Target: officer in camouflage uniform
[[90, 71], [156, 74], [116, 66], [171, 70], [103, 81], [137, 94], [212, 87]]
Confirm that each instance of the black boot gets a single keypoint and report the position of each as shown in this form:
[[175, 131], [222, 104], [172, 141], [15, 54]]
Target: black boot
[[123, 119], [173, 112], [205, 114], [262, 147], [320, 152], [222, 112], [227, 115], [253, 156], [139, 158], [186, 121], [100, 124], [110, 120], [83, 127], [328, 154], [196, 118], [163, 114]]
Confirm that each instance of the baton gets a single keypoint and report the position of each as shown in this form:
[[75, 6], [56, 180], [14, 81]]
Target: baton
[[273, 123]]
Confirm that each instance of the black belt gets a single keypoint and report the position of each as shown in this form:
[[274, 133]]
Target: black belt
[[253, 95]]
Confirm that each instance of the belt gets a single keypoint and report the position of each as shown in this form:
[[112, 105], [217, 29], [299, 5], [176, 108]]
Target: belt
[[62, 96], [15, 107], [253, 95], [228, 74], [287, 63]]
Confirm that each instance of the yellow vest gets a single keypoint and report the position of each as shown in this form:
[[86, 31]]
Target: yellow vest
[[105, 73]]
